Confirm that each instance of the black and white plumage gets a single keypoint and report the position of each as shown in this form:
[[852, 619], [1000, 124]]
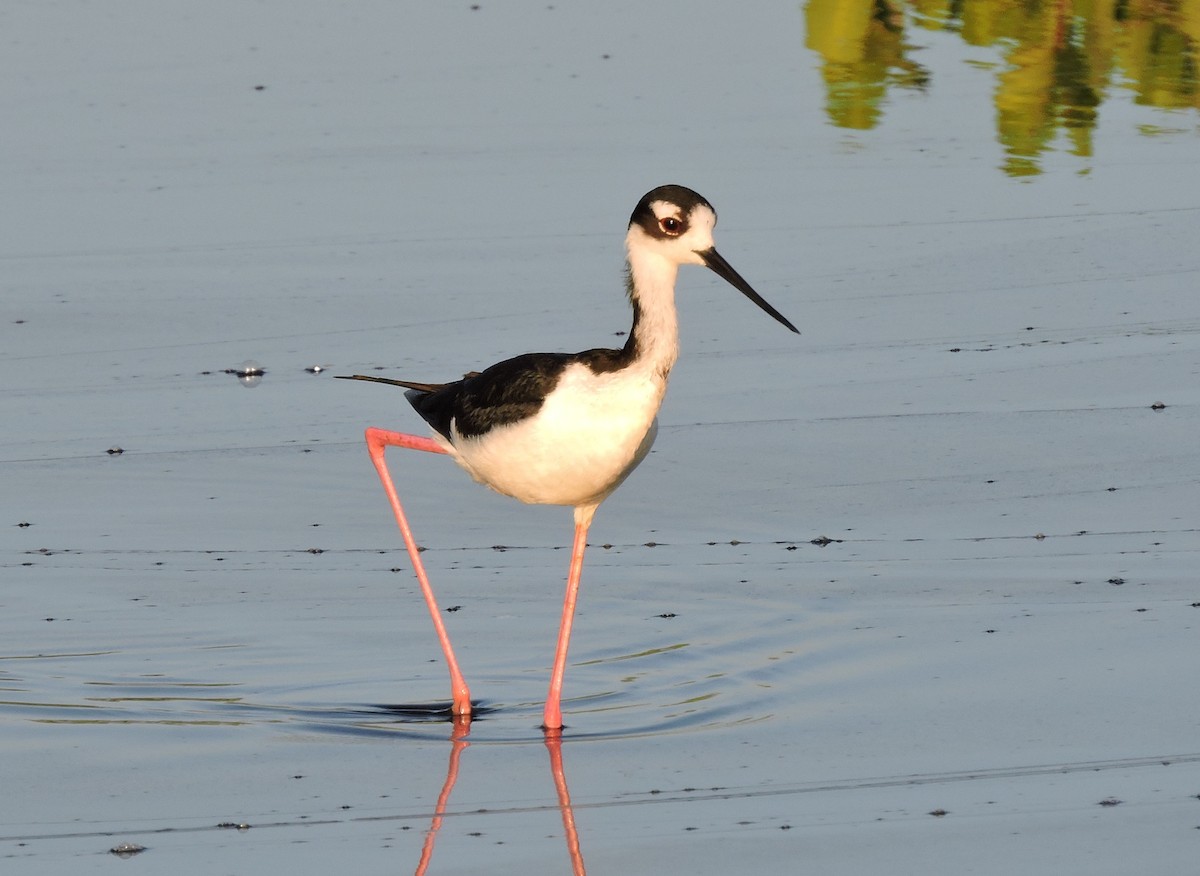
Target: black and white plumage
[[567, 428]]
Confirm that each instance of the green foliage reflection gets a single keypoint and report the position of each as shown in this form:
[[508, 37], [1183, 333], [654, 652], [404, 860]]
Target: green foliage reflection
[[1060, 59]]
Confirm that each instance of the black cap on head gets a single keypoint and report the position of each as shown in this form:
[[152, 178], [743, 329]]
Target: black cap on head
[[680, 196]]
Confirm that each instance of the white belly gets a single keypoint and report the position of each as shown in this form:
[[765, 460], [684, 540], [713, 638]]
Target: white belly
[[590, 433]]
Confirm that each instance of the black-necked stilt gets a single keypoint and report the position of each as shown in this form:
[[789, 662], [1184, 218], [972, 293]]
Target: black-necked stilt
[[568, 428]]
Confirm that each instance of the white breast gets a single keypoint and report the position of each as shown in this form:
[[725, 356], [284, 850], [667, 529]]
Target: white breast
[[590, 433]]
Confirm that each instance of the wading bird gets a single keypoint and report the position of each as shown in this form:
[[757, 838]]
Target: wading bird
[[567, 428]]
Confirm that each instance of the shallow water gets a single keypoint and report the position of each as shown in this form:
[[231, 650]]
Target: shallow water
[[213, 646]]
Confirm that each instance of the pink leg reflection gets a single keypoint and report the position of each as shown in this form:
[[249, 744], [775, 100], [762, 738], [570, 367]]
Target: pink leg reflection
[[458, 744], [554, 746], [458, 740]]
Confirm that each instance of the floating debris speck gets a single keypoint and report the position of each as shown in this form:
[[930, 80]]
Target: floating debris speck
[[250, 373], [824, 541], [126, 850]]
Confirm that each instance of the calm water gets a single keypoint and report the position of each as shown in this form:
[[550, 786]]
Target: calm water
[[913, 591]]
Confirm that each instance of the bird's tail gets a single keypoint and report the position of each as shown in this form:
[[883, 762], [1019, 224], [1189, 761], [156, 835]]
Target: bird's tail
[[407, 384]]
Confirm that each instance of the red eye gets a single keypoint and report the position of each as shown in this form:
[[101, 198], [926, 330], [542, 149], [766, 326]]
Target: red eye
[[670, 225]]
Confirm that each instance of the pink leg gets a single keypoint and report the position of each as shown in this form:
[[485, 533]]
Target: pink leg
[[552, 717], [377, 441]]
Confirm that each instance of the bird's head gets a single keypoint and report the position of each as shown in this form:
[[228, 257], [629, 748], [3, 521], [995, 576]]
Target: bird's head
[[676, 224]]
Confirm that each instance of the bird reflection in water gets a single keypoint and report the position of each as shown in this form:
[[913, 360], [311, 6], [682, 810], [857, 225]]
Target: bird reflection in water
[[458, 744]]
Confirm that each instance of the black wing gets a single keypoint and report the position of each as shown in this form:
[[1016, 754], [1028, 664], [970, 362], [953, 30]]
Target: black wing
[[507, 392]]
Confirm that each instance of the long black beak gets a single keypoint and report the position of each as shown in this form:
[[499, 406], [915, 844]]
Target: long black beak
[[715, 261]]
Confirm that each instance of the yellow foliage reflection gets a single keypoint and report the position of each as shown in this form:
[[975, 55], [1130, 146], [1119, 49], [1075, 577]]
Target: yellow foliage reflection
[[861, 42], [1060, 59]]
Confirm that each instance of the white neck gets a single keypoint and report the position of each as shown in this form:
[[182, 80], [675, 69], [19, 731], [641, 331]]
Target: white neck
[[652, 292]]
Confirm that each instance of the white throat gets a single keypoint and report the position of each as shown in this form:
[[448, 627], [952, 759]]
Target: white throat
[[652, 278]]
